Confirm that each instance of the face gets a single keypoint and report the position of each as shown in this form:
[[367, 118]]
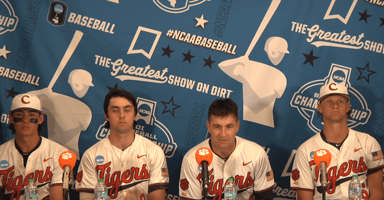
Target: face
[[334, 108], [121, 115], [223, 131], [26, 121]]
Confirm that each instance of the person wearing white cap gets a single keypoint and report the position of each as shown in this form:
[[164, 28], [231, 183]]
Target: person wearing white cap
[[352, 153], [28, 155]]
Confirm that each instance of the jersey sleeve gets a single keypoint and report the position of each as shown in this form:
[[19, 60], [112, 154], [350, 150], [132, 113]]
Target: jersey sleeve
[[189, 186], [301, 176], [86, 175], [375, 154], [263, 173], [159, 176]]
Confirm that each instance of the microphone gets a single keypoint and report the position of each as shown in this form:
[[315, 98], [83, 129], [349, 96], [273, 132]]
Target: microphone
[[204, 158], [67, 161], [322, 158]]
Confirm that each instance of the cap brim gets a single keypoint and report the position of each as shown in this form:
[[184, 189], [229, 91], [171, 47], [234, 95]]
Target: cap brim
[[32, 109], [344, 95]]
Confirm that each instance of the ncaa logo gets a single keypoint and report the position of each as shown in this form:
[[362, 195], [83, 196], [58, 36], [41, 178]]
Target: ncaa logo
[[4, 164], [8, 18], [307, 98], [177, 6], [146, 110], [99, 159], [57, 13]]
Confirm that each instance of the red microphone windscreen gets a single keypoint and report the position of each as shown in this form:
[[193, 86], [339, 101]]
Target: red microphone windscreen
[[322, 155], [67, 158], [204, 154]]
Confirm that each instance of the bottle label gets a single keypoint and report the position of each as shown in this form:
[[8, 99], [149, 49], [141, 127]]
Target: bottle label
[[105, 195], [33, 196], [228, 195]]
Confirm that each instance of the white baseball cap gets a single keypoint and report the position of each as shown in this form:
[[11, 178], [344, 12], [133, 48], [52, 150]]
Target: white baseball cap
[[333, 88], [26, 101]]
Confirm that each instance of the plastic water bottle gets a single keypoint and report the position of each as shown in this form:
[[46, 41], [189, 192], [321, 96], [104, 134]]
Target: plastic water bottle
[[230, 192], [31, 191], [354, 189], [101, 192]]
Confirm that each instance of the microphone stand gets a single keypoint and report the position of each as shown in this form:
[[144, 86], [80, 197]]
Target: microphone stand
[[205, 178], [323, 179], [67, 171]]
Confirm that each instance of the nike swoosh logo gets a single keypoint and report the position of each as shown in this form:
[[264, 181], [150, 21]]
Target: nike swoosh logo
[[245, 164], [357, 149], [140, 156], [45, 160]]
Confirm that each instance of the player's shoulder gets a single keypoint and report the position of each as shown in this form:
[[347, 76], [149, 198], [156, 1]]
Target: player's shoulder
[[311, 142], [192, 152], [361, 134], [363, 137], [100, 145], [10, 144], [248, 145], [52, 145]]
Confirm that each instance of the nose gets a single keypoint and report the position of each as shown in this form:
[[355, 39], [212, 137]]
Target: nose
[[25, 119], [121, 114]]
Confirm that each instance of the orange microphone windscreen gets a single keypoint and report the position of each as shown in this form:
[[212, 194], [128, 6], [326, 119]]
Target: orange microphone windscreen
[[322, 155], [67, 158], [204, 154]]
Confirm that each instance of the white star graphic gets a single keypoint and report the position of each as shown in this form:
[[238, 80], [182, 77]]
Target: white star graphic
[[4, 52], [201, 21]]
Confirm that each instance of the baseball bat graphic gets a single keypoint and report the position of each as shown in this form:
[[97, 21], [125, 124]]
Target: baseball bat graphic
[[71, 48], [267, 17]]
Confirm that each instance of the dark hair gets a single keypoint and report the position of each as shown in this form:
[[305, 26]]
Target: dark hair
[[117, 92], [40, 127], [222, 108]]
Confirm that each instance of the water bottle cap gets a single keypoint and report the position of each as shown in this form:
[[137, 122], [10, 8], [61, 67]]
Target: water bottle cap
[[355, 175], [230, 179], [101, 180], [30, 180]]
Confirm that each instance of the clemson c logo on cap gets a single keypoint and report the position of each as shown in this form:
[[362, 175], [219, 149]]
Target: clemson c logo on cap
[[332, 88], [23, 101]]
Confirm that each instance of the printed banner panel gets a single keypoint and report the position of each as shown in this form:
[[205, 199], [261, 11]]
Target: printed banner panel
[[177, 56]]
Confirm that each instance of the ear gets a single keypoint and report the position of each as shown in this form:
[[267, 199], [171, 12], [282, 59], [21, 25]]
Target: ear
[[11, 118], [41, 118], [319, 108], [106, 117], [349, 106], [237, 125], [207, 123]]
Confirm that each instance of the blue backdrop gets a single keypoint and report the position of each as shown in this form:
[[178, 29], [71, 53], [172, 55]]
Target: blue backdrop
[[176, 56]]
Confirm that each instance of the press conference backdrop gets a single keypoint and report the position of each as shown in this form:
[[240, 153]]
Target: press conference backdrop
[[177, 56]]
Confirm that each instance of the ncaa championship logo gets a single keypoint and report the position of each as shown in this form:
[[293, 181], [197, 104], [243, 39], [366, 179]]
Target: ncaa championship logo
[[177, 6], [149, 127], [307, 98], [8, 18]]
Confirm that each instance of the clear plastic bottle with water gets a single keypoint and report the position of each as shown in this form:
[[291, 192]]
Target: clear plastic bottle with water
[[31, 191], [354, 189], [101, 192], [230, 191]]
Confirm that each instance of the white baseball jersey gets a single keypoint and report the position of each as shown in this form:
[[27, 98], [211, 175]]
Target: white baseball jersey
[[359, 154], [134, 172], [248, 165], [42, 165]]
